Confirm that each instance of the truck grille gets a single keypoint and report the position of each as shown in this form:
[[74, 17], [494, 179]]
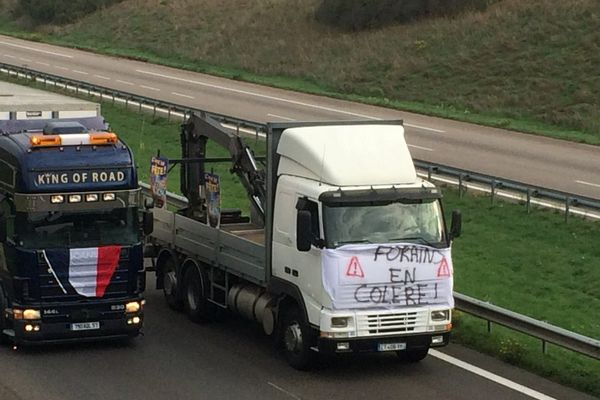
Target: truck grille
[[50, 290], [392, 323]]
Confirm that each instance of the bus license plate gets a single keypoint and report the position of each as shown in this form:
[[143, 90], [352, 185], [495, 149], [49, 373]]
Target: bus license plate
[[85, 326], [391, 346]]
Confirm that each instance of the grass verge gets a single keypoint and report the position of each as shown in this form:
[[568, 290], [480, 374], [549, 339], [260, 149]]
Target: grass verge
[[534, 264]]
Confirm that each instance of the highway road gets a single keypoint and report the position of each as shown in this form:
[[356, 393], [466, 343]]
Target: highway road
[[536, 160], [232, 359]]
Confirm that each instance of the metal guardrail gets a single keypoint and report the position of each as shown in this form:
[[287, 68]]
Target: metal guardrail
[[529, 194], [547, 333]]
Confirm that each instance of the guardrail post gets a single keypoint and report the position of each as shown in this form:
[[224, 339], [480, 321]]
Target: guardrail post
[[140, 106], [429, 172], [126, 102], [154, 111], [460, 185], [489, 326], [544, 347], [567, 207], [169, 114], [493, 190], [528, 200]]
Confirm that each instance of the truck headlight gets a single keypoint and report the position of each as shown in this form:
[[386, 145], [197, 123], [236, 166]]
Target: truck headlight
[[57, 199], [132, 307], [339, 322], [440, 315], [28, 314]]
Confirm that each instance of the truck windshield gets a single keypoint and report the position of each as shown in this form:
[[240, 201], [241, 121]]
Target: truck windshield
[[418, 222], [78, 229]]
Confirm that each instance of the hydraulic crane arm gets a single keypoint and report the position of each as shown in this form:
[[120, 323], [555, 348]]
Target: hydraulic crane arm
[[195, 133]]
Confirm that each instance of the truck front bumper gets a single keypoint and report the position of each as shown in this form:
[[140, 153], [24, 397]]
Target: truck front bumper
[[382, 343], [76, 323]]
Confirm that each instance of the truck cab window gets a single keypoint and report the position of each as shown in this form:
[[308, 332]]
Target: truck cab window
[[78, 229]]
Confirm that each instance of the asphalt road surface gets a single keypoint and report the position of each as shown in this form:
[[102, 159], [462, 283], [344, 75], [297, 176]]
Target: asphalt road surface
[[560, 165], [231, 359]]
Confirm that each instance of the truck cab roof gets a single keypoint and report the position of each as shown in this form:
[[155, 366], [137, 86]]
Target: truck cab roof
[[69, 164], [347, 155]]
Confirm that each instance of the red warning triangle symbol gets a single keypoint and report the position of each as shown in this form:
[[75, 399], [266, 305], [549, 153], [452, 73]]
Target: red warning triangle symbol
[[354, 268], [443, 269]]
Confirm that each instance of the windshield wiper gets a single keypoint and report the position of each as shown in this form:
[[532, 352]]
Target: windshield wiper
[[352, 242], [419, 238]]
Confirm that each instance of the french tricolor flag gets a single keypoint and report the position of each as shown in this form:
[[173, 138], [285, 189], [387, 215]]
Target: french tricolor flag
[[87, 271]]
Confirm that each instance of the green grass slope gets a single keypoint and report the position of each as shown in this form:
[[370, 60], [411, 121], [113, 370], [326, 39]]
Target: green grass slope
[[524, 65]]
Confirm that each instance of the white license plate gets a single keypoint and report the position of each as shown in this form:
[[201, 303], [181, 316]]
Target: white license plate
[[391, 346], [85, 326]]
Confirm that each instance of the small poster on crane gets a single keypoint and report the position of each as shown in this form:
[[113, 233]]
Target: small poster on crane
[[213, 199], [159, 168]]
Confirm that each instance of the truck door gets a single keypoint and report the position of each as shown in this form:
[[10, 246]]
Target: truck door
[[303, 269]]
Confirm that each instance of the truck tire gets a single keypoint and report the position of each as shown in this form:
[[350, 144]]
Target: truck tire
[[413, 356], [297, 338], [170, 284], [195, 295]]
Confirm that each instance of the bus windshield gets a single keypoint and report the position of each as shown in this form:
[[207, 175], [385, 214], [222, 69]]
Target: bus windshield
[[78, 229], [415, 222]]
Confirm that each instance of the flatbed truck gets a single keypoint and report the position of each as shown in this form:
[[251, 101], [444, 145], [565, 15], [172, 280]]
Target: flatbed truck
[[346, 249]]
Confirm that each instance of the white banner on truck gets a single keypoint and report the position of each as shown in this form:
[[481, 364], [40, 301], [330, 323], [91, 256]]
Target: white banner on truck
[[390, 276]]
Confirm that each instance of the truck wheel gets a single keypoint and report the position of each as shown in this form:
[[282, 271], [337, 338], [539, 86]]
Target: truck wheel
[[195, 295], [170, 284], [413, 356], [297, 338]]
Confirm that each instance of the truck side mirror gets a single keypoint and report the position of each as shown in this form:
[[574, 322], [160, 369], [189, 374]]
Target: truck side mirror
[[304, 237], [456, 225], [148, 203], [147, 222]]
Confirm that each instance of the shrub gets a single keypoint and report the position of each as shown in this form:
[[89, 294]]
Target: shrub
[[358, 15], [57, 11]]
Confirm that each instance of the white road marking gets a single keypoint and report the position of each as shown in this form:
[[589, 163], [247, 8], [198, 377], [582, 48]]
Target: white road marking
[[588, 183], [282, 390], [106, 78], [125, 82], [425, 128], [264, 96], [80, 72], [34, 49], [9, 56], [280, 99], [281, 117], [492, 377], [42, 63], [150, 88], [420, 147], [63, 68], [182, 95], [25, 59]]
